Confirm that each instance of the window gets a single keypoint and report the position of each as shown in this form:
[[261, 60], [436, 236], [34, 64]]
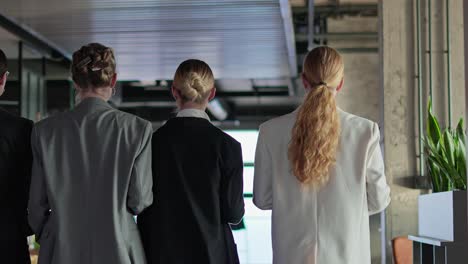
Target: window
[[248, 140], [254, 241]]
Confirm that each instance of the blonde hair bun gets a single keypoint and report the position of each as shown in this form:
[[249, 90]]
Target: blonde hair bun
[[194, 79], [194, 87]]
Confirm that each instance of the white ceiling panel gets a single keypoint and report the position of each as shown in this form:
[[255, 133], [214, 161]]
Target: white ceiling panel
[[238, 38]]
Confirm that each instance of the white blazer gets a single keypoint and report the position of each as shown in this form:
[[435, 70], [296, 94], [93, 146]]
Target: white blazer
[[331, 225]]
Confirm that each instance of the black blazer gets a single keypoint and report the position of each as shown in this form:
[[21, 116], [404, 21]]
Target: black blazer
[[198, 191], [15, 177]]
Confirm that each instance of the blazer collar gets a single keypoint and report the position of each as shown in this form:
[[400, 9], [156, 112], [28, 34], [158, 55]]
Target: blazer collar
[[91, 104], [191, 112]]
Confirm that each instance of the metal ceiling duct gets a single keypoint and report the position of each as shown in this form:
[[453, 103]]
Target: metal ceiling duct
[[238, 38], [217, 110]]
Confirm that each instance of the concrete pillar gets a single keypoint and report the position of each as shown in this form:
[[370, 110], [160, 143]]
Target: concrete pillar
[[440, 59], [399, 115], [465, 22], [400, 97]]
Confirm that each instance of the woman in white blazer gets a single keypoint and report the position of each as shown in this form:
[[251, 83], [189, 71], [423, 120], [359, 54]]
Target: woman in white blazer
[[320, 170]]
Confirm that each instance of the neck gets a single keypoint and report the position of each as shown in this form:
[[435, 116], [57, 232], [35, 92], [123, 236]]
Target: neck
[[99, 93], [192, 105], [84, 96]]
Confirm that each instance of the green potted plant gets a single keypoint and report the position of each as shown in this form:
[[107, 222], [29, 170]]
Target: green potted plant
[[443, 213], [445, 155]]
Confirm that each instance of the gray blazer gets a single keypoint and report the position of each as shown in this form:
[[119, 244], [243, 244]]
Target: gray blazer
[[91, 175]]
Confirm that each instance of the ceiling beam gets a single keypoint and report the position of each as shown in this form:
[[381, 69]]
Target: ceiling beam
[[301, 37], [33, 39], [288, 25], [311, 27], [342, 9]]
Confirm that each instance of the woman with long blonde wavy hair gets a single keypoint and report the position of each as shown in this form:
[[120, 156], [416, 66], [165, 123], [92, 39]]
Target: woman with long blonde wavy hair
[[320, 170]]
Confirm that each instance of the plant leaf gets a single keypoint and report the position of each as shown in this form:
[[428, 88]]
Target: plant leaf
[[434, 172], [440, 151], [449, 173], [443, 178], [461, 130], [461, 164], [449, 147], [433, 127]]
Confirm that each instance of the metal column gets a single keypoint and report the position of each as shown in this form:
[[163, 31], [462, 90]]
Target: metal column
[[465, 22], [310, 35], [419, 78], [20, 80], [429, 52], [449, 73]]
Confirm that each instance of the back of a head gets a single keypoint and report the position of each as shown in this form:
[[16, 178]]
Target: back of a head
[[93, 66], [194, 80], [3, 63], [315, 134]]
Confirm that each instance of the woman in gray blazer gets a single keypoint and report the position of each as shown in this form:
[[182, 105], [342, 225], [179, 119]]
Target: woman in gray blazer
[[91, 172]]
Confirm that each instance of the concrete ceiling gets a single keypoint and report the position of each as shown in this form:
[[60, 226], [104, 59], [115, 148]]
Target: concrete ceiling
[[9, 45], [333, 2], [238, 38], [303, 3], [298, 2]]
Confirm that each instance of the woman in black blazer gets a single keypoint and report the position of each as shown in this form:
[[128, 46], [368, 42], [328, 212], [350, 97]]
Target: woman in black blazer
[[198, 186]]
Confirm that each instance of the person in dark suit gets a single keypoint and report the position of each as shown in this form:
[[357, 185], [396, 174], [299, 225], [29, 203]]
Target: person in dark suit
[[15, 177], [198, 180]]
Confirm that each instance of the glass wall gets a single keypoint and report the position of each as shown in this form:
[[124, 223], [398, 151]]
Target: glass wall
[[254, 239]]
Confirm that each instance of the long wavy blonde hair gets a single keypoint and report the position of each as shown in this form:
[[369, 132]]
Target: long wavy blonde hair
[[315, 135]]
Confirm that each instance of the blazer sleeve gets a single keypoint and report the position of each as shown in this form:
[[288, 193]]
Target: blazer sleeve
[[378, 191], [140, 194], [262, 192], [38, 206], [232, 184]]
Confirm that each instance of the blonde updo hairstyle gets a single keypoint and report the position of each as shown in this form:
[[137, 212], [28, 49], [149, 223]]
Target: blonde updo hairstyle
[[315, 135], [194, 80], [93, 66]]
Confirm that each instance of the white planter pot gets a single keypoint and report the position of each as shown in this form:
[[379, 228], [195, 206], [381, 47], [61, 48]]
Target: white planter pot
[[443, 216]]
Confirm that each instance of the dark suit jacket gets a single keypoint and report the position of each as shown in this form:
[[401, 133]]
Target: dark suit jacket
[[198, 191], [15, 177]]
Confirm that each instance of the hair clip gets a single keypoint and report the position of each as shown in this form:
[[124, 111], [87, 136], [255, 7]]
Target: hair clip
[[99, 65], [96, 68], [323, 83], [84, 62]]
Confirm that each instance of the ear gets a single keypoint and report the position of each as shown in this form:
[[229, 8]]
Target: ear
[[305, 82], [212, 94], [340, 85], [3, 79], [114, 80], [77, 88], [175, 93]]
